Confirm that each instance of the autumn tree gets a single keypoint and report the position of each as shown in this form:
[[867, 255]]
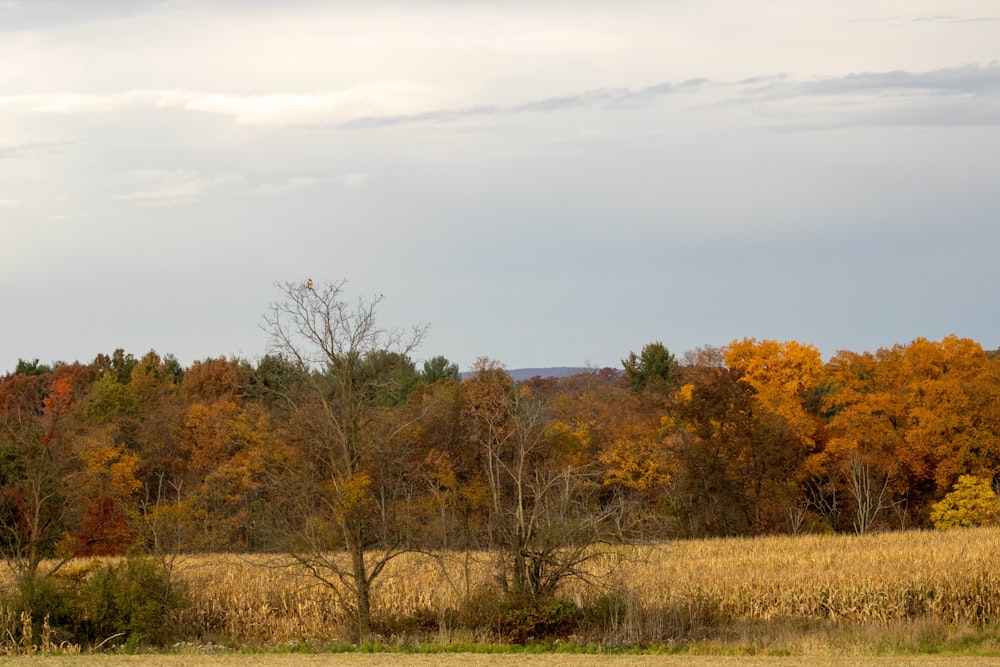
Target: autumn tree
[[120, 363], [105, 485], [923, 413], [216, 379], [449, 510], [737, 461], [343, 430], [226, 447], [36, 456], [136, 409], [639, 467], [783, 375], [787, 382]]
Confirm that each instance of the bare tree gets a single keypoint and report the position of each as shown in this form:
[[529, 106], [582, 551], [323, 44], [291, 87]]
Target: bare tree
[[821, 495], [870, 493], [795, 515], [545, 513], [345, 433]]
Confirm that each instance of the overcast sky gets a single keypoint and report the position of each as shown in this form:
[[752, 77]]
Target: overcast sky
[[545, 183]]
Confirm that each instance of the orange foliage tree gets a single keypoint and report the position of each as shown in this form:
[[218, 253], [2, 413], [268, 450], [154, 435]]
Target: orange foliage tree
[[922, 414]]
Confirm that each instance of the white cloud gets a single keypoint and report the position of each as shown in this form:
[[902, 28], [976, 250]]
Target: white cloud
[[297, 183], [8, 202], [541, 43], [318, 107], [390, 103], [329, 106], [168, 188], [353, 180], [291, 185], [168, 194]]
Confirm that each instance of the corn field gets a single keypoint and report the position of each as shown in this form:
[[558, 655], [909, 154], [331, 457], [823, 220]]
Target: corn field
[[664, 590], [952, 576]]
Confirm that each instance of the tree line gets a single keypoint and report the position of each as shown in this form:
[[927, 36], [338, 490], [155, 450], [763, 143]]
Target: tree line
[[337, 450]]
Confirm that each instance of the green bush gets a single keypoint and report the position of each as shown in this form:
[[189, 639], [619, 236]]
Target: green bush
[[41, 597], [133, 601], [537, 620], [606, 610]]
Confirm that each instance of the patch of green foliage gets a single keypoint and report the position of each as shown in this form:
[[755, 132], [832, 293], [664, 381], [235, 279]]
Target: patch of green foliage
[[131, 603]]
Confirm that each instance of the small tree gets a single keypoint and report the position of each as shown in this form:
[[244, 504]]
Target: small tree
[[972, 502]]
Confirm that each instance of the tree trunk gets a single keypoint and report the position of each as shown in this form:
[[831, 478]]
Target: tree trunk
[[362, 593]]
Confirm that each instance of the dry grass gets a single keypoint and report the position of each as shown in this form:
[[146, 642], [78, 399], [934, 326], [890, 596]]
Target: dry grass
[[469, 659], [670, 589], [736, 590], [954, 576]]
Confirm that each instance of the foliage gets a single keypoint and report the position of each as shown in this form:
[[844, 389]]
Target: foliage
[[544, 511], [538, 620], [109, 398], [335, 449], [41, 598], [215, 379], [782, 376], [607, 610], [120, 364], [972, 502], [273, 377], [923, 414], [32, 367], [135, 599], [35, 456]]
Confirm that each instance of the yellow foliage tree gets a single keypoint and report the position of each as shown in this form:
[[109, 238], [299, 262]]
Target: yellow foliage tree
[[637, 457], [972, 502]]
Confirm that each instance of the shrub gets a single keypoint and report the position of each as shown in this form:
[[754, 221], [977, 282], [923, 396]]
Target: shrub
[[41, 598], [537, 620], [135, 600]]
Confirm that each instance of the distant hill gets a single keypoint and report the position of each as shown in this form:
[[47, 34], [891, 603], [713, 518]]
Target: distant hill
[[554, 372]]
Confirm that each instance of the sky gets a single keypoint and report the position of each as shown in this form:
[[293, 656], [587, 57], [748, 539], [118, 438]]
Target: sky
[[545, 183]]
